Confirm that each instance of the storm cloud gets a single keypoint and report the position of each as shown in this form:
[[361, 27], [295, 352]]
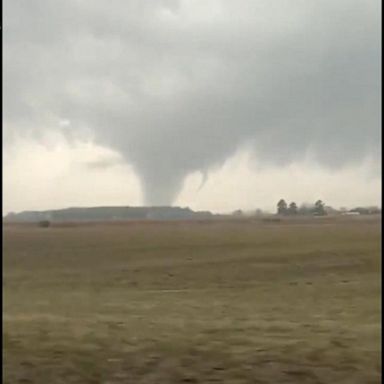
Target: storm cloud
[[179, 86]]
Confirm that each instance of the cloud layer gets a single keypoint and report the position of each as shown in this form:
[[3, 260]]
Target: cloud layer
[[179, 86]]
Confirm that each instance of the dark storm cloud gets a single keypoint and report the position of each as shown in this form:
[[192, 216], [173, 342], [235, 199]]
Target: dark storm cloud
[[178, 86]]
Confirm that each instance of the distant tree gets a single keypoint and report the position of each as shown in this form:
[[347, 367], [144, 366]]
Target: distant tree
[[320, 208], [44, 223], [306, 209], [282, 207], [292, 210], [374, 210], [238, 213], [330, 210], [366, 210]]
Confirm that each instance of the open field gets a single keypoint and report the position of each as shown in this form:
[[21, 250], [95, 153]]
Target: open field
[[226, 302]]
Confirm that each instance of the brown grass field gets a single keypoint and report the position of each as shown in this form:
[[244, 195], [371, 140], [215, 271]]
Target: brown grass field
[[296, 301]]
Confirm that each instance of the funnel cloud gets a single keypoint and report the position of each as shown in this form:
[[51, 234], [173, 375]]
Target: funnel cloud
[[179, 86]]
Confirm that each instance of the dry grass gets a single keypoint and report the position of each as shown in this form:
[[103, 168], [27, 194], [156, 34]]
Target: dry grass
[[244, 302]]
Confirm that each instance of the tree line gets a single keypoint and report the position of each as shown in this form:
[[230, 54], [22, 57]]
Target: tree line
[[317, 209]]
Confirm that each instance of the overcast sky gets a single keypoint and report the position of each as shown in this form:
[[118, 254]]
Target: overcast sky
[[203, 103]]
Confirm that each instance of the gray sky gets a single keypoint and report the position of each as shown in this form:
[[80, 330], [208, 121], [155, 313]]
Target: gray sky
[[211, 104]]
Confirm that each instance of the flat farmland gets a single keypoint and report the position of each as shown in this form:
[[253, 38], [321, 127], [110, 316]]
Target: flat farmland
[[296, 301]]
